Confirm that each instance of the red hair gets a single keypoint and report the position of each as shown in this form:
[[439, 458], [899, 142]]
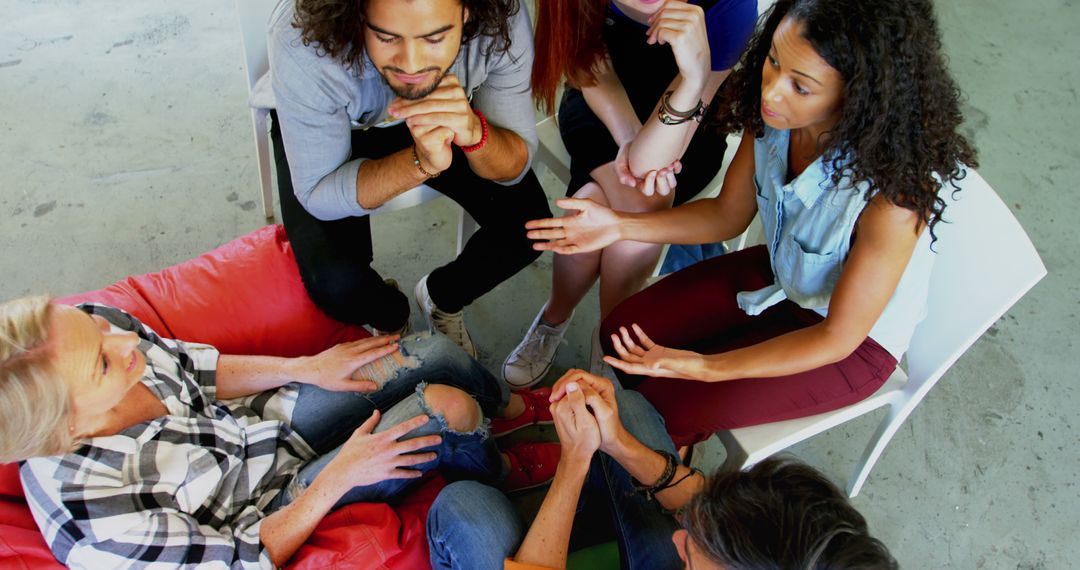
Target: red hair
[[569, 43]]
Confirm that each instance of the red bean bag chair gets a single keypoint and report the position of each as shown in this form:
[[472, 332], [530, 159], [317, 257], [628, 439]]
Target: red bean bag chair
[[244, 297]]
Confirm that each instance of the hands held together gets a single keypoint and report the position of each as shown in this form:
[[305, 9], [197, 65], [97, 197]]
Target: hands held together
[[443, 117], [586, 415]]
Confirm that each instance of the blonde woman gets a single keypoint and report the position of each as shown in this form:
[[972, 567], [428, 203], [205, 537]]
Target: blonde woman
[[141, 449]]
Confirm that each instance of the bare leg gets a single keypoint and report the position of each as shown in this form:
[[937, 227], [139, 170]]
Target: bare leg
[[573, 275], [625, 265]]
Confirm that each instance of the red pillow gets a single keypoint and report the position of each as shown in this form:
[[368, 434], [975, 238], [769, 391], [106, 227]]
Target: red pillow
[[245, 297], [373, 535]]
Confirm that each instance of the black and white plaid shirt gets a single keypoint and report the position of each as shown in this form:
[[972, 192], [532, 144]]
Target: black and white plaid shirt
[[184, 490]]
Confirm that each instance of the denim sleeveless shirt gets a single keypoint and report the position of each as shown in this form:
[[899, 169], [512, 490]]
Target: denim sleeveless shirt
[[808, 224]]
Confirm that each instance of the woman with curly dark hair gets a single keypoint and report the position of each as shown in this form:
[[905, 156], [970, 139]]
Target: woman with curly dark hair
[[849, 151]]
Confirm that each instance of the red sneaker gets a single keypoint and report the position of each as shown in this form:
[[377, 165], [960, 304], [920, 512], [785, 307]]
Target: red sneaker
[[532, 464], [536, 413]]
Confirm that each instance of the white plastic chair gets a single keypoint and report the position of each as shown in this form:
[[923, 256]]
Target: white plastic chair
[[985, 264], [254, 17]]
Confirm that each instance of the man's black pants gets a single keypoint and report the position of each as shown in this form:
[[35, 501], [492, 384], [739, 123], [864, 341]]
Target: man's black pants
[[335, 257]]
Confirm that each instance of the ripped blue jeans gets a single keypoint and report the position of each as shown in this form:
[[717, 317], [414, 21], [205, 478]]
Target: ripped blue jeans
[[326, 419]]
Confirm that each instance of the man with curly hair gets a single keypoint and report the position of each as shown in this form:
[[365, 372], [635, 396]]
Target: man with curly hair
[[374, 97]]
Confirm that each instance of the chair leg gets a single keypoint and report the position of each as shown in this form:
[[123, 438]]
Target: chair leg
[[736, 457], [466, 228], [890, 424], [660, 261], [262, 151]]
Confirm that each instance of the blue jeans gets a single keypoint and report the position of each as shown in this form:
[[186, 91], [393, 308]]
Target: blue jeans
[[326, 419], [473, 526], [682, 256]]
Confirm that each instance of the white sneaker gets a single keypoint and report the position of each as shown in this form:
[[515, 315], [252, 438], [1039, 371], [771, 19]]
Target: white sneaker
[[449, 324], [530, 361]]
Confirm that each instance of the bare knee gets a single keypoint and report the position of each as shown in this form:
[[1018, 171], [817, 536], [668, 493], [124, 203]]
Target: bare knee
[[592, 191], [459, 409], [628, 199]]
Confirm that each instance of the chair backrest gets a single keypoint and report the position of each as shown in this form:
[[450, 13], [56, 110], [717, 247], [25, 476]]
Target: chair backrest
[[985, 264], [254, 17]]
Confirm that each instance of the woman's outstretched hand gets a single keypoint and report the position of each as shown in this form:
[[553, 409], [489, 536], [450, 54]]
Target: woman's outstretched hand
[[660, 181], [645, 357], [591, 228]]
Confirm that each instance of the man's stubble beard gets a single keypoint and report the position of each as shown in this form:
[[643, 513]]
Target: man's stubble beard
[[413, 92]]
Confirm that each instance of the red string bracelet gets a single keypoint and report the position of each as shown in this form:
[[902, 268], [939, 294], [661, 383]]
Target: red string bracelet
[[483, 134]]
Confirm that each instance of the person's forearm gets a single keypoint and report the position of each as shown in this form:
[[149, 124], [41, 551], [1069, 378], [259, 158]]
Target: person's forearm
[[503, 157], [548, 539], [239, 376], [609, 102], [658, 145], [798, 351], [647, 466], [380, 179], [700, 221], [284, 531]]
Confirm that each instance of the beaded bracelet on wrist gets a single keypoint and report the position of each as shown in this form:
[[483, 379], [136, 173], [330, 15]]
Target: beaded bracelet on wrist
[[483, 133], [420, 167]]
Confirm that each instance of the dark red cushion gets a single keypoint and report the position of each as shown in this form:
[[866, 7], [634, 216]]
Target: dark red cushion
[[9, 481], [245, 297], [373, 535]]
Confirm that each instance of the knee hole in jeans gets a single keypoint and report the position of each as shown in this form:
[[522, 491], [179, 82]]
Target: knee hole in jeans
[[458, 408]]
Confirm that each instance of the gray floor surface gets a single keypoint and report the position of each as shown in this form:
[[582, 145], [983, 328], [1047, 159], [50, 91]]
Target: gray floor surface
[[126, 147]]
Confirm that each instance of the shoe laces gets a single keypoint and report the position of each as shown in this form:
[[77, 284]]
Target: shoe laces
[[542, 340], [451, 325]]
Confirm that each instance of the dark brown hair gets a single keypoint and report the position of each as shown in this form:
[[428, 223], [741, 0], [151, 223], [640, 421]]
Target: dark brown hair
[[570, 35], [901, 108], [781, 514], [336, 27]]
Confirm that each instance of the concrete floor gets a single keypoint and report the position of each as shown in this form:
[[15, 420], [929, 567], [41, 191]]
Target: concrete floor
[[126, 147]]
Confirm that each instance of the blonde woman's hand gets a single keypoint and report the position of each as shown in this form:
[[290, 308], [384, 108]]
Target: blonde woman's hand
[[367, 458], [332, 369]]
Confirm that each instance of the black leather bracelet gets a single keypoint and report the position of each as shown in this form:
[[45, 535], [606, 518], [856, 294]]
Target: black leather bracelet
[[665, 478], [675, 483]]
